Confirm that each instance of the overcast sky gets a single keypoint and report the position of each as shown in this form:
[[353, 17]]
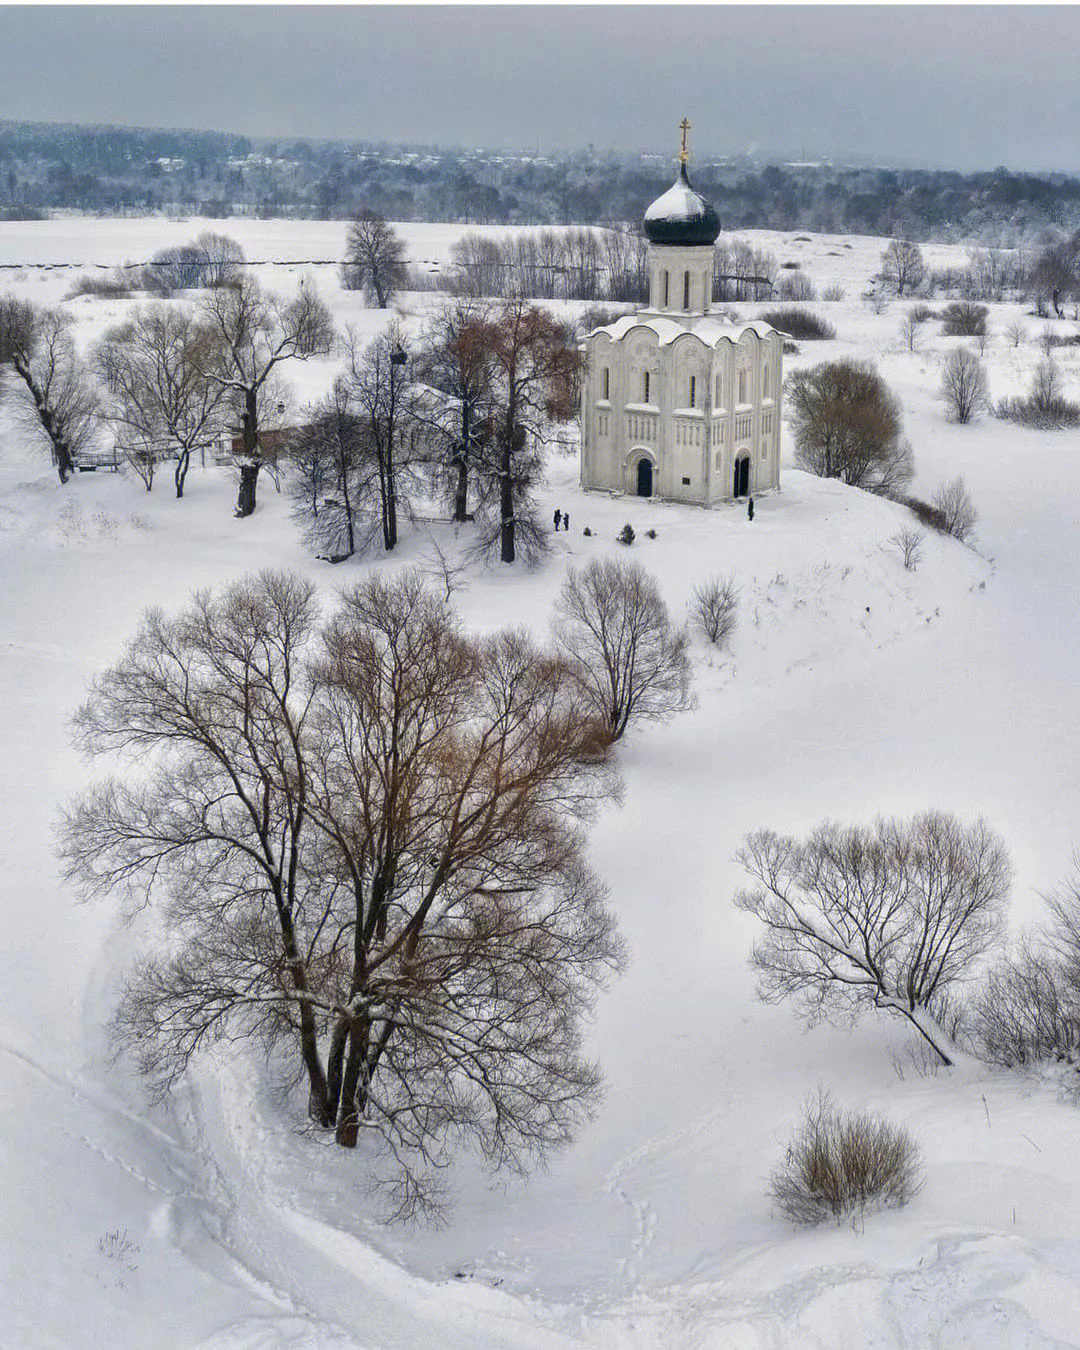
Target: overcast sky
[[963, 86]]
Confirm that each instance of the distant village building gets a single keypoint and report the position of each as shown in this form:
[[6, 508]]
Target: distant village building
[[676, 402]]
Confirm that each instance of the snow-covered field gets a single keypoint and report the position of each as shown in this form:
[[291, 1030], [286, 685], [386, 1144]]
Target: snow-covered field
[[851, 688]]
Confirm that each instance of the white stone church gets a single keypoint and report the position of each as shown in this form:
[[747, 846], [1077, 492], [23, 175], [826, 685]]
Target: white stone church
[[677, 403]]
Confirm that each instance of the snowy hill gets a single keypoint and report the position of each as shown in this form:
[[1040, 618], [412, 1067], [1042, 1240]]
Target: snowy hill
[[852, 687]]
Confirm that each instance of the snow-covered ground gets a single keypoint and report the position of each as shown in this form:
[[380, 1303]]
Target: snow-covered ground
[[851, 688]]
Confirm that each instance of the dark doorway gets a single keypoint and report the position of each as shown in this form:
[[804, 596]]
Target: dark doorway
[[742, 476], [644, 478]]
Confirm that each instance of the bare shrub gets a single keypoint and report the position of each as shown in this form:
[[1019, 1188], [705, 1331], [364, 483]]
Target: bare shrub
[[833, 293], [714, 607], [848, 425], [114, 285], [1025, 1012], [844, 1162], [795, 286], [1045, 407], [799, 323], [926, 514], [963, 384], [887, 916], [1028, 1009], [613, 628], [957, 509], [964, 318], [908, 543]]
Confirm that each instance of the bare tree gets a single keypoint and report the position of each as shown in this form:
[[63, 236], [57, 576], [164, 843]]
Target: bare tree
[[159, 398], [963, 384], [223, 260], [253, 333], [335, 481], [714, 606], [902, 266], [614, 629], [455, 360], [911, 328], [536, 365], [957, 509], [369, 834], [908, 543], [848, 425], [374, 259], [888, 916], [380, 392], [61, 402], [1015, 333]]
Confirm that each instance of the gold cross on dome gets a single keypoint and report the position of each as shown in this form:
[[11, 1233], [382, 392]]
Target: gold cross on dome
[[684, 154]]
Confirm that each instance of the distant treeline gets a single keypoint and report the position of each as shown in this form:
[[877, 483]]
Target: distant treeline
[[122, 170]]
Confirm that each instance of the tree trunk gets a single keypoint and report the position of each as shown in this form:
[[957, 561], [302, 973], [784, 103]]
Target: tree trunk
[[249, 472], [245, 502], [461, 487], [352, 1102], [183, 462]]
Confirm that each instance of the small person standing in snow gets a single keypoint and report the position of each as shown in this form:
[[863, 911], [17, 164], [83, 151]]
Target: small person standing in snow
[[750, 509], [558, 517], [565, 521]]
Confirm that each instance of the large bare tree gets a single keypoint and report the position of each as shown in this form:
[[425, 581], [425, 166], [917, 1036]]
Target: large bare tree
[[335, 484], [367, 832], [614, 629], [374, 258], [455, 360], [61, 402], [378, 389], [536, 364], [889, 916], [159, 398], [254, 332]]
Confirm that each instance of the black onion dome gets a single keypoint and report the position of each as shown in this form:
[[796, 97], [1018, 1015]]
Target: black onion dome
[[681, 216]]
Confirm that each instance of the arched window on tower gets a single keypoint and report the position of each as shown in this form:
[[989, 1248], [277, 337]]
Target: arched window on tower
[[686, 290], [667, 297]]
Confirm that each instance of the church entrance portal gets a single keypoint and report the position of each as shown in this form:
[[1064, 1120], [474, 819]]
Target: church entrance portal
[[742, 476], [644, 478]]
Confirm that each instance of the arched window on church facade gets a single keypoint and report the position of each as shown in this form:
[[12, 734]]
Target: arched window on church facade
[[693, 391], [605, 383], [742, 386], [645, 387], [686, 290], [667, 296], [716, 399], [765, 382]]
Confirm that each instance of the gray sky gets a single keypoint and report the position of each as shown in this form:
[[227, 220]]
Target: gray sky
[[960, 86]]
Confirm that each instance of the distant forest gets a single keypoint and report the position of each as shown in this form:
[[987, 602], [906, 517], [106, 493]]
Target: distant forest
[[118, 170]]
